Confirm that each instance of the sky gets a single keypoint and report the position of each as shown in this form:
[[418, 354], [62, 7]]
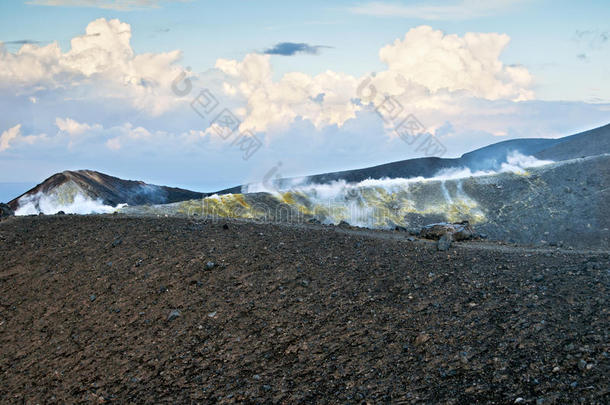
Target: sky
[[206, 95]]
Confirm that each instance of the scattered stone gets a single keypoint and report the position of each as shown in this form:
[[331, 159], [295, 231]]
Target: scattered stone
[[175, 313], [6, 211], [117, 242], [212, 314], [582, 364], [266, 388], [256, 377], [520, 400], [411, 239], [92, 297], [210, 265], [162, 289], [459, 231], [422, 338], [444, 243]]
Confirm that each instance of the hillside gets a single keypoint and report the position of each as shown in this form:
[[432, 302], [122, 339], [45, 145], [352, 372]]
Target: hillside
[[588, 143], [108, 190]]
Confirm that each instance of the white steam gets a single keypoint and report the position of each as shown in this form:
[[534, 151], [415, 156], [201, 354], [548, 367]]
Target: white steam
[[515, 163], [51, 204]]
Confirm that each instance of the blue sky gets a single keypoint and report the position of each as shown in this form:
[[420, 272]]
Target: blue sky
[[476, 72]]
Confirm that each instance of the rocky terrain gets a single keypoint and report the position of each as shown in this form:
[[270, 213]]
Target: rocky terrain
[[564, 203], [62, 188], [589, 143], [169, 310]]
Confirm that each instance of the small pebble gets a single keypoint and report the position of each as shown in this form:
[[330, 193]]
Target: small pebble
[[175, 313]]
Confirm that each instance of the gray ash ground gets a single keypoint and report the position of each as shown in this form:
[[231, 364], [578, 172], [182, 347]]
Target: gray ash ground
[[107, 308]]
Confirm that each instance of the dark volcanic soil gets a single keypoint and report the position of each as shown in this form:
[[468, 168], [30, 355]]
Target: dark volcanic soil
[[292, 314]]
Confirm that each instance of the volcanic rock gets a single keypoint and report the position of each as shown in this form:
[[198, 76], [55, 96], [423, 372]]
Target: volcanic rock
[[173, 315], [458, 231], [6, 211], [444, 243]]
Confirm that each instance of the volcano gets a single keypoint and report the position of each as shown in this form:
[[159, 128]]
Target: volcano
[[528, 191], [63, 188], [589, 143]]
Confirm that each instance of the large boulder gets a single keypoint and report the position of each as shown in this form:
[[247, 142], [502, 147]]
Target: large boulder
[[6, 211], [458, 231]]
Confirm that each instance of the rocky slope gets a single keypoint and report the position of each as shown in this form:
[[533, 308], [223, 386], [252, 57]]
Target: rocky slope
[[561, 203], [168, 310], [589, 143], [61, 189]]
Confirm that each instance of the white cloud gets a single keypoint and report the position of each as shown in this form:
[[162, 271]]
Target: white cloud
[[104, 4], [72, 127], [426, 70], [113, 144], [13, 135], [8, 136], [471, 63], [324, 99], [102, 61], [440, 10]]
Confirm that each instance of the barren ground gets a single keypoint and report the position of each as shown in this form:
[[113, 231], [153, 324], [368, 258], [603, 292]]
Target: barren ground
[[292, 314]]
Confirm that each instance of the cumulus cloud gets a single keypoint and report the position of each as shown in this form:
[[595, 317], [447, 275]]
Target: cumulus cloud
[[108, 108], [102, 58], [8, 136], [272, 104], [427, 69], [121, 5], [72, 127], [441, 10], [13, 135], [471, 63], [292, 48]]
